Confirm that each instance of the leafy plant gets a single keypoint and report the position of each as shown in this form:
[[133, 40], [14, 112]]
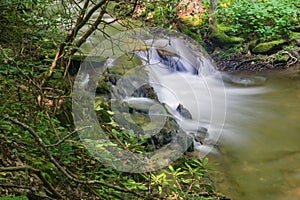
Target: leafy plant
[[181, 181], [163, 13], [266, 20]]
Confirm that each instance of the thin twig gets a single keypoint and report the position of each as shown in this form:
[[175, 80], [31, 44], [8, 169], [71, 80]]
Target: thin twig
[[59, 167], [38, 173], [68, 136], [15, 64]]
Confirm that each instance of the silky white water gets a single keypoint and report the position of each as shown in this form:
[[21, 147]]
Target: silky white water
[[252, 119]]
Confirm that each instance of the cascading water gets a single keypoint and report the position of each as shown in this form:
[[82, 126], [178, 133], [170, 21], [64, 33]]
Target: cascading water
[[184, 76], [229, 112]]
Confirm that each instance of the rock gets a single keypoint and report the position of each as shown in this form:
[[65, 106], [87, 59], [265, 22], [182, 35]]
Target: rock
[[140, 103], [78, 60], [146, 91], [165, 135], [295, 38], [183, 112], [123, 66], [268, 47], [222, 39], [224, 28], [253, 43]]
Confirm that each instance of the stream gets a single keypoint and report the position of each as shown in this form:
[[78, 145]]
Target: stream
[[258, 146], [252, 119], [266, 163]]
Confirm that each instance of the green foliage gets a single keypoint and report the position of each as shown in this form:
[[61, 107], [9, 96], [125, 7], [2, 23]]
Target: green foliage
[[28, 25], [163, 13], [266, 20], [14, 198], [29, 39], [181, 181]]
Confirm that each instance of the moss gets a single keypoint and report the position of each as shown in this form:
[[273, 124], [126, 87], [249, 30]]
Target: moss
[[124, 63], [295, 35], [295, 38], [253, 43], [282, 58], [223, 28], [268, 47], [193, 33], [222, 39]]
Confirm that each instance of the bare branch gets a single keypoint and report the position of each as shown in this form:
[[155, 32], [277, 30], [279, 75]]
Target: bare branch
[[59, 167], [90, 13], [82, 19], [68, 136], [38, 173], [91, 30]]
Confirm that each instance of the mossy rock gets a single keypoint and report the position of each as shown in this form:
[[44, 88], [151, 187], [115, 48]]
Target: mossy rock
[[192, 33], [78, 59], [223, 28], [269, 47], [253, 43], [222, 39], [250, 46], [122, 66], [124, 63], [295, 38]]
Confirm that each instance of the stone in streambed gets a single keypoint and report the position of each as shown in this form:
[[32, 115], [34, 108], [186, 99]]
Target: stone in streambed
[[183, 112]]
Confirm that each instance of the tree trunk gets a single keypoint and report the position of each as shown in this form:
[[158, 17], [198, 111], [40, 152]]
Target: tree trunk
[[212, 16]]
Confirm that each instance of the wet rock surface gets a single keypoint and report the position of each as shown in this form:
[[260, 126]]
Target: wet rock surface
[[133, 113]]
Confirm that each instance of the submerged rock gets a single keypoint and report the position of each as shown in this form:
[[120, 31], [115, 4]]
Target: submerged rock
[[245, 80]]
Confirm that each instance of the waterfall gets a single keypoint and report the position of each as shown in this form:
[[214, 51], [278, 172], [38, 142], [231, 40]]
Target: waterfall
[[183, 76], [187, 88]]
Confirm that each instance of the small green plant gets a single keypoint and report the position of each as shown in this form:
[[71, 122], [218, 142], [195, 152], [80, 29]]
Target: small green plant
[[163, 13], [182, 181], [266, 20]]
